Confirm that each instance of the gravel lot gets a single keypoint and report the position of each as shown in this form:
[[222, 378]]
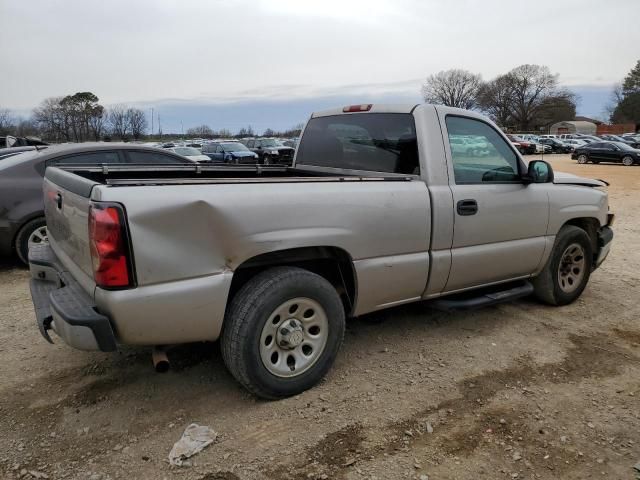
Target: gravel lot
[[519, 390]]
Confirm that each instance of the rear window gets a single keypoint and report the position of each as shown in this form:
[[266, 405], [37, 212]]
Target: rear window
[[379, 142]]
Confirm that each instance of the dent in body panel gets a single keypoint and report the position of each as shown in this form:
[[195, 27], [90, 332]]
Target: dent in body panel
[[175, 312], [390, 280], [185, 231]]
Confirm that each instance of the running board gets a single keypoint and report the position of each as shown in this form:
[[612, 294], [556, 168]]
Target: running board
[[473, 300]]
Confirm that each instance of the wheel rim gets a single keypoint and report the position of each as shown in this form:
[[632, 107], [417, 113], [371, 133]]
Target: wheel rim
[[38, 237], [294, 337], [582, 159], [266, 160], [572, 268], [627, 161]]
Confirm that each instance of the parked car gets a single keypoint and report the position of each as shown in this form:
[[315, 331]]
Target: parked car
[[575, 143], [617, 152], [191, 153], [523, 146], [11, 141], [556, 145], [270, 151], [229, 152], [272, 262], [11, 151], [22, 220], [616, 138]]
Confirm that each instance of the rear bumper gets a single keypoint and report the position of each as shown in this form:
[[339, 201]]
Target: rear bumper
[[605, 238], [61, 305]]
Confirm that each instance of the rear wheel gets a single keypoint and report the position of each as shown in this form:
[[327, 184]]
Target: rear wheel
[[282, 332], [627, 161], [32, 233], [582, 158], [567, 271]]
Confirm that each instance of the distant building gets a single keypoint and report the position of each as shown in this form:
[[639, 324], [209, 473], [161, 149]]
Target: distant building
[[587, 119], [574, 126]]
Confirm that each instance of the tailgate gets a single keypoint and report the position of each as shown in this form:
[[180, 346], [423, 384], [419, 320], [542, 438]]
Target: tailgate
[[66, 206]]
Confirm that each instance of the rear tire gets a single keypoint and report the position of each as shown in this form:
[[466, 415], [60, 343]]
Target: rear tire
[[258, 343], [32, 233], [628, 161], [582, 159], [567, 271]]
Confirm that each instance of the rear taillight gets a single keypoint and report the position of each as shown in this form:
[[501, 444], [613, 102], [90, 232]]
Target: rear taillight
[[109, 247], [357, 108]]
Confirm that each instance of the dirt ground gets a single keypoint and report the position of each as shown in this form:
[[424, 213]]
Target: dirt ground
[[520, 390]]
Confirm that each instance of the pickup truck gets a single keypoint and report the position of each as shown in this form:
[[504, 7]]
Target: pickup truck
[[376, 211]]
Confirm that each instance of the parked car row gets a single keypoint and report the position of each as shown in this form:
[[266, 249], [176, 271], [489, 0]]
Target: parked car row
[[617, 152]]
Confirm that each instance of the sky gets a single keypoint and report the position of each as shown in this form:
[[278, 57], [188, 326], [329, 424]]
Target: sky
[[270, 63]]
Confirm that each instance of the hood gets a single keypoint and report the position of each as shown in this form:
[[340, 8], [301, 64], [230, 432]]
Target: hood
[[563, 178], [242, 153], [199, 158]]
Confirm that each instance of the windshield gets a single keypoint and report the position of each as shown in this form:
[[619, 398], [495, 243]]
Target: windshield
[[186, 151], [623, 146], [269, 142], [234, 147]]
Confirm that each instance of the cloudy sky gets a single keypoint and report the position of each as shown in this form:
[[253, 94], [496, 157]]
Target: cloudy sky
[[230, 63]]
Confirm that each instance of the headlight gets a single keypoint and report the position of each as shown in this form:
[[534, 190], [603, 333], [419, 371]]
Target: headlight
[[274, 152]]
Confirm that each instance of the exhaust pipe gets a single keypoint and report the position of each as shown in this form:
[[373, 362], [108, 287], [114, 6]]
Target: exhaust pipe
[[160, 359]]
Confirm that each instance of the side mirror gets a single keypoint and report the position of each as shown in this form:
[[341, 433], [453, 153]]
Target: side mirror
[[539, 171]]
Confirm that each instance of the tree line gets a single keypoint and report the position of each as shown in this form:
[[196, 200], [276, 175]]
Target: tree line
[[77, 118], [526, 98], [625, 107], [204, 131]]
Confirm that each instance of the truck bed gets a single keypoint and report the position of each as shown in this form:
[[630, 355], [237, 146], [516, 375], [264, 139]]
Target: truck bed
[[136, 175]]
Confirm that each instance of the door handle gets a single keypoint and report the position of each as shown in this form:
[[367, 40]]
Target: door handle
[[467, 207], [59, 200]]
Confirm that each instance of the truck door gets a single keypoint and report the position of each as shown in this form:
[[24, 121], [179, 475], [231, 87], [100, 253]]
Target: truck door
[[500, 222]]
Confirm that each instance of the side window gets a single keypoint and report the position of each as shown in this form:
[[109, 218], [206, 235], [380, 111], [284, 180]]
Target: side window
[[205, 148], [250, 143], [257, 144], [484, 156], [146, 158], [87, 158], [219, 149]]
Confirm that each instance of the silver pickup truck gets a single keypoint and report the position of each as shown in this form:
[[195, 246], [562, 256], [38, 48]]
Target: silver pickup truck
[[378, 210]]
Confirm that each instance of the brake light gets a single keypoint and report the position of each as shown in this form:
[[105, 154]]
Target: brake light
[[108, 243], [365, 107]]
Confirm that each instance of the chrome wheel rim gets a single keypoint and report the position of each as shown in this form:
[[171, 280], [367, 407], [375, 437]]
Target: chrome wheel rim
[[572, 268], [294, 337], [582, 159], [38, 237], [627, 161]]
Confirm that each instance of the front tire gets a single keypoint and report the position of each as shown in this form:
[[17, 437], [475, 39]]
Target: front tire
[[282, 332], [566, 274], [34, 232]]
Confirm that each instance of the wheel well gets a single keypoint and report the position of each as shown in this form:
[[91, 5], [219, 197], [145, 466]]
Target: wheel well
[[332, 263], [589, 225]]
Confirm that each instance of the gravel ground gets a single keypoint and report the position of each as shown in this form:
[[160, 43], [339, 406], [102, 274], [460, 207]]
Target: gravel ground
[[519, 390]]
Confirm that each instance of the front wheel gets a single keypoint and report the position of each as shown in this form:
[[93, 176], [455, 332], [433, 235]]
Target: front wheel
[[582, 158], [282, 332], [567, 271], [628, 161]]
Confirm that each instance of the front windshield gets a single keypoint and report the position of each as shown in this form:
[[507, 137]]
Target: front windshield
[[234, 147], [270, 142], [623, 146], [186, 151]]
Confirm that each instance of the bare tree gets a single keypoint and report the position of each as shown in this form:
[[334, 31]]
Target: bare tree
[[532, 86], [495, 98], [7, 121], [201, 131], [137, 122], [118, 121], [454, 88]]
